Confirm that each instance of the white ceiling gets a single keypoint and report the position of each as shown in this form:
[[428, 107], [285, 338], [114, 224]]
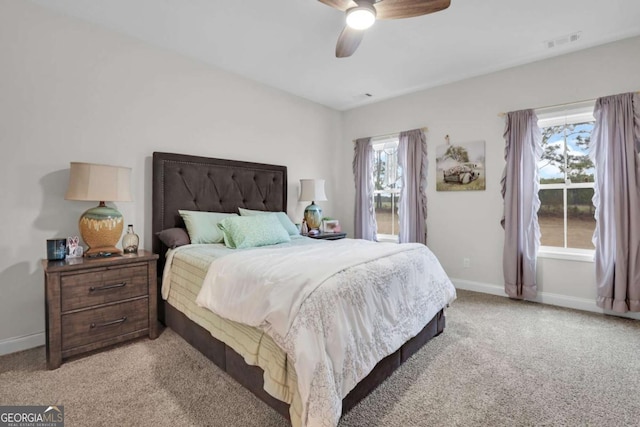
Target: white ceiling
[[289, 44]]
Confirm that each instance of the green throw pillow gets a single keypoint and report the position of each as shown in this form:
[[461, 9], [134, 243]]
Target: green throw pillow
[[203, 226], [282, 217], [242, 232]]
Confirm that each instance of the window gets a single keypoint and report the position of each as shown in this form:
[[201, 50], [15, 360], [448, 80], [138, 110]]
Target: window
[[387, 182], [566, 214]]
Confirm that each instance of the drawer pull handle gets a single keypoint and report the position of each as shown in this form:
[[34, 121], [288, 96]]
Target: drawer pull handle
[[107, 287], [113, 322]]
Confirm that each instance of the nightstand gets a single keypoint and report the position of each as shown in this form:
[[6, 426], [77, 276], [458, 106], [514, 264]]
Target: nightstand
[[93, 303], [328, 236]]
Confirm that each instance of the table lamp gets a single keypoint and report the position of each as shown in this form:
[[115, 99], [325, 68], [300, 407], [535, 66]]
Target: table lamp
[[310, 191], [100, 227]]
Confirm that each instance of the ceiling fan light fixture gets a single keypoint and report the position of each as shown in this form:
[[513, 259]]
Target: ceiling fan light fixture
[[361, 17]]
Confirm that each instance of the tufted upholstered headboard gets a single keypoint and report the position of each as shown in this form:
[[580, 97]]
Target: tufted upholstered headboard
[[215, 185]]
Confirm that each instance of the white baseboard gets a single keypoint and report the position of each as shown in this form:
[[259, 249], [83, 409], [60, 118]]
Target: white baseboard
[[543, 298], [12, 345]]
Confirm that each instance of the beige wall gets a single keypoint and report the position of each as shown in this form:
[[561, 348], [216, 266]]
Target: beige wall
[[466, 225], [70, 91]]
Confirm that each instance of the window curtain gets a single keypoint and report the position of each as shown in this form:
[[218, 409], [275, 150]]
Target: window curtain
[[615, 143], [412, 209], [521, 203], [365, 220]]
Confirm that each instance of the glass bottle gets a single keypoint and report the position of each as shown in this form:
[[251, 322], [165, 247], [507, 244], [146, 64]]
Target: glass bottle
[[130, 241]]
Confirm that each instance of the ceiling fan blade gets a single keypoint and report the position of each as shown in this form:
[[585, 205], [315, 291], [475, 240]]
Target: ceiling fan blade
[[339, 4], [398, 9], [348, 42]]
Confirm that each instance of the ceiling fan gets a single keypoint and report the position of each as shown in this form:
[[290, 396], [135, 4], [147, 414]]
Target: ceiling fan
[[361, 14]]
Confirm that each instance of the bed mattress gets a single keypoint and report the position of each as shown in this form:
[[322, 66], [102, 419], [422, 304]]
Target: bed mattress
[[181, 284]]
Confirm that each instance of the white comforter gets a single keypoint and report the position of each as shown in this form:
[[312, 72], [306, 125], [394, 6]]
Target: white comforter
[[336, 308]]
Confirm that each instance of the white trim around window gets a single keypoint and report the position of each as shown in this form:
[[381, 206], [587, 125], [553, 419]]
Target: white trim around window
[[568, 254]]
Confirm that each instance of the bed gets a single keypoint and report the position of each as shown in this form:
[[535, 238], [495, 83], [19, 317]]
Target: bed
[[244, 352]]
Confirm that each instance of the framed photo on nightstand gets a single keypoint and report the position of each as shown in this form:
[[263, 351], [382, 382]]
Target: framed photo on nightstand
[[74, 250], [331, 226]]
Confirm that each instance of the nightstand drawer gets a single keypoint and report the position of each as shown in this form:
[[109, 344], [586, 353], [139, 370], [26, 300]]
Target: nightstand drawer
[[102, 286], [95, 325]]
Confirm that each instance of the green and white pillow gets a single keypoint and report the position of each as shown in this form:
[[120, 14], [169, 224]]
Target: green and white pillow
[[282, 217], [242, 232], [203, 226]]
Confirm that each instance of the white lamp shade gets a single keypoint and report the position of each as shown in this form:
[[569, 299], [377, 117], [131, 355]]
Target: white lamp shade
[[99, 183], [312, 190]]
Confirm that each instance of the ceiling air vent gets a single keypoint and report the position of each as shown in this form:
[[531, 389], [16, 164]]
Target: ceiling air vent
[[362, 96], [569, 38]]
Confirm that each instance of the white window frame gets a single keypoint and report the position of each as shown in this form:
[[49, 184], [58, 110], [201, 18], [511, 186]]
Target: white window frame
[[378, 145], [578, 114]]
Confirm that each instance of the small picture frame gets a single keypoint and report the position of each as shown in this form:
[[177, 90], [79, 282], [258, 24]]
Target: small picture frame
[[74, 249], [331, 226]]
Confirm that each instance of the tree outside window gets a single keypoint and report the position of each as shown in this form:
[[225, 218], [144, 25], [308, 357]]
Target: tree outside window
[[566, 214], [387, 182]]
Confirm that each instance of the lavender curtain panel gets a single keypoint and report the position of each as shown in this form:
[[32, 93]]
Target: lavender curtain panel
[[365, 220], [412, 159], [615, 144], [520, 193]]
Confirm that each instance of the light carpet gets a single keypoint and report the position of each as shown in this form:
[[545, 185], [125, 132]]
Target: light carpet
[[498, 363]]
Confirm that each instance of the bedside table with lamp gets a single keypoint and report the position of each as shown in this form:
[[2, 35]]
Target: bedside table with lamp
[[103, 298]]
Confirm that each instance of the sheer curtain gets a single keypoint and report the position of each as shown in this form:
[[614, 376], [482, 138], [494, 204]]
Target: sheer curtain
[[365, 220], [521, 203], [412, 212], [615, 143]]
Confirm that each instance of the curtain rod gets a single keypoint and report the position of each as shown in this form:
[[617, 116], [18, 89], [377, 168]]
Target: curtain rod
[[562, 105], [423, 129]]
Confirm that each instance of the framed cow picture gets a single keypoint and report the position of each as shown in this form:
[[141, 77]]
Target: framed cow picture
[[460, 166]]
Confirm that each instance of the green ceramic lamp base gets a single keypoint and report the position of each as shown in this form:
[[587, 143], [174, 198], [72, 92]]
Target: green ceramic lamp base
[[101, 228], [313, 216]]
